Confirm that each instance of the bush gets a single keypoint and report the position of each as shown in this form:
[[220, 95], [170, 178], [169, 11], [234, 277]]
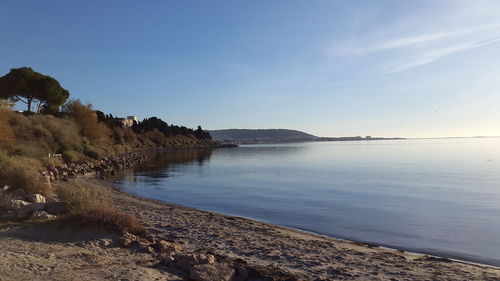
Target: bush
[[23, 173], [72, 156], [106, 218], [48, 133], [86, 118], [31, 150], [79, 196], [4, 160], [94, 152], [6, 133]]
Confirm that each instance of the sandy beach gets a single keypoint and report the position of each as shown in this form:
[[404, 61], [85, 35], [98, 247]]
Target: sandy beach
[[43, 251]]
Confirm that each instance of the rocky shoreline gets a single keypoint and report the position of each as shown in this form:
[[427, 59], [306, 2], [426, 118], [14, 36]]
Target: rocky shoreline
[[100, 168]]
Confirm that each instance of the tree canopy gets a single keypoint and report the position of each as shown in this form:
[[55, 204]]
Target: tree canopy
[[28, 86], [154, 123]]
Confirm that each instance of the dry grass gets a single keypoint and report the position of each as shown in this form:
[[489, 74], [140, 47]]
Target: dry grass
[[6, 133], [80, 197], [106, 218], [21, 172], [72, 156]]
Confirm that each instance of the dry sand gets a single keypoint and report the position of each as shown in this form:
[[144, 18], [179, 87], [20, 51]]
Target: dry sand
[[43, 252]]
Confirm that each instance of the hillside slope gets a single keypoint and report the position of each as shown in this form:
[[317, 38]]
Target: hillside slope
[[260, 135]]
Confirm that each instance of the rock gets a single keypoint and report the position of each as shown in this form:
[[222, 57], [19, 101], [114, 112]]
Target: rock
[[167, 260], [241, 274], [105, 242], [55, 208], [212, 272], [163, 246], [186, 262], [15, 205], [51, 199], [6, 215], [18, 193], [36, 198], [42, 215], [127, 239], [33, 207]]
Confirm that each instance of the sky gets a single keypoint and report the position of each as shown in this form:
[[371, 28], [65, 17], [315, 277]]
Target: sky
[[419, 68]]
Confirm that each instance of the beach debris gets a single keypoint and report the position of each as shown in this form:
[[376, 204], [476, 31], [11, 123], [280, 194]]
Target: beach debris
[[212, 272]]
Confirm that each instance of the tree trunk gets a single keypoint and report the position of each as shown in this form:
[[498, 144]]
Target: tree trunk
[[30, 100]]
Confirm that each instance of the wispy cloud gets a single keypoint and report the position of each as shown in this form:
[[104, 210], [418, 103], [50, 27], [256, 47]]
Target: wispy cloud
[[437, 54], [415, 39], [428, 38]]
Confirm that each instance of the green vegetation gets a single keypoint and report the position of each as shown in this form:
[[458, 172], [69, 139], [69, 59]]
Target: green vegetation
[[28, 86]]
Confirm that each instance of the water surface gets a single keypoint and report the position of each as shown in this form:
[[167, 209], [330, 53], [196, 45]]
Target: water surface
[[438, 196]]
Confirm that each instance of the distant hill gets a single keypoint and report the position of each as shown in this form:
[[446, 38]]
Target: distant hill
[[260, 135]]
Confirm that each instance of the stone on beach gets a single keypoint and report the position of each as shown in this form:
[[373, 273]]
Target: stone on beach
[[163, 246], [212, 272], [187, 261]]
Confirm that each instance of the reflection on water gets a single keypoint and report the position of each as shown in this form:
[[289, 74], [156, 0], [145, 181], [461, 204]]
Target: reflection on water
[[165, 164], [433, 196]]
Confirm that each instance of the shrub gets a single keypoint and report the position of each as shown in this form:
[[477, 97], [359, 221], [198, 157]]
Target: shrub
[[53, 135], [106, 218], [72, 156], [4, 160], [86, 118], [31, 150], [23, 173], [79, 196], [94, 152], [6, 133]]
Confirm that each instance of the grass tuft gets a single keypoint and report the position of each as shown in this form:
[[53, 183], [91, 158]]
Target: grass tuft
[[106, 218]]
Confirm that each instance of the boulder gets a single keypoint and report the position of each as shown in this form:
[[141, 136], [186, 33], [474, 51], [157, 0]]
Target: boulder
[[41, 215], [187, 261], [19, 193], [212, 272], [55, 208], [163, 246], [127, 239], [241, 274], [14, 204], [36, 198], [7, 215], [33, 207]]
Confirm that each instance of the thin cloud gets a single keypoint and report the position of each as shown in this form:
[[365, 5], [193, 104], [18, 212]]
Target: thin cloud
[[413, 41], [437, 54]]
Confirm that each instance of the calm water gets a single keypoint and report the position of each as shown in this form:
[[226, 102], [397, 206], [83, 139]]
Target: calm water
[[437, 196]]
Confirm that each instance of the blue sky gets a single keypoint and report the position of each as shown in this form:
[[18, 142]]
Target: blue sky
[[332, 68]]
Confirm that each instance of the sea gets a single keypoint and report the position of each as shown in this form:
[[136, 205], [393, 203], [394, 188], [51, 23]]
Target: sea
[[433, 196]]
